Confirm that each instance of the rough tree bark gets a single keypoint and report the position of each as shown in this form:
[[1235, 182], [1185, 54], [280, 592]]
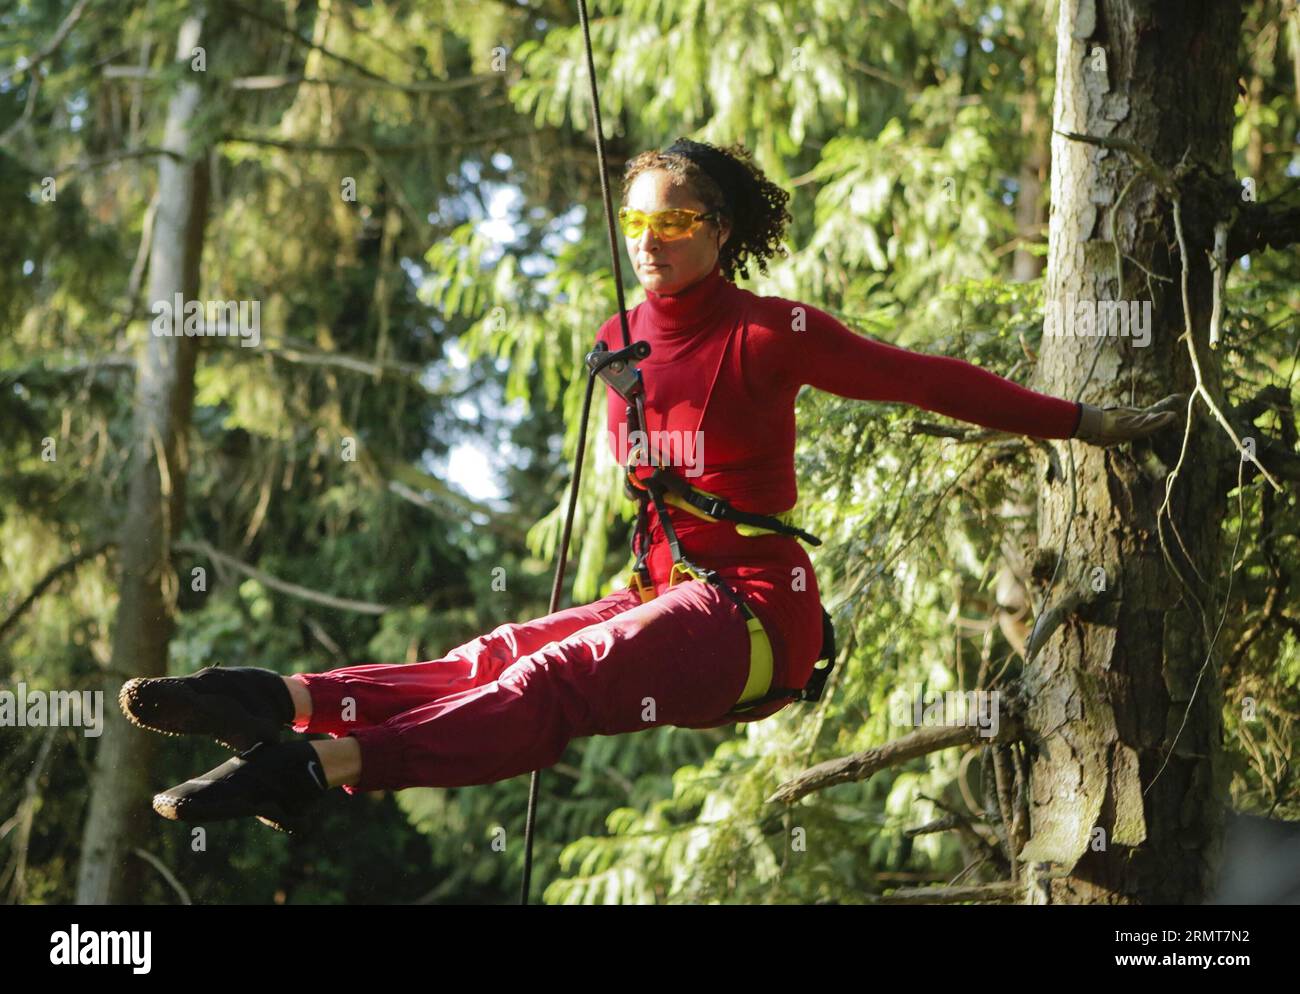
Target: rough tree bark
[[119, 812], [1109, 691]]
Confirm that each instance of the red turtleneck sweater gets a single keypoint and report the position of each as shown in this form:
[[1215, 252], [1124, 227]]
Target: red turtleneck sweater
[[724, 370]]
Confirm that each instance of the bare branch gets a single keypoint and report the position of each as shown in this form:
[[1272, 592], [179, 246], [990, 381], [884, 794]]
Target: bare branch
[[47, 581], [1256, 227], [1281, 462], [1201, 389], [23, 119], [23, 819], [1001, 892], [945, 824], [885, 77], [130, 72], [951, 431], [165, 873], [113, 362], [284, 586], [52, 46], [306, 356], [136, 280], [1271, 613], [348, 148], [429, 86], [289, 32], [323, 637], [409, 482], [121, 155], [283, 81], [964, 825], [1148, 165], [862, 765], [1219, 270], [998, 440], [1052, 619]]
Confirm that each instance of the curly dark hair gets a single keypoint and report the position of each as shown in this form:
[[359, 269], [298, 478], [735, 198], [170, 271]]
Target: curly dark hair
[[759, 219]]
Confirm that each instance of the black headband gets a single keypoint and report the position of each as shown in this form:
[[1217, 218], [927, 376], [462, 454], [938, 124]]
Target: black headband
[[719, 167]]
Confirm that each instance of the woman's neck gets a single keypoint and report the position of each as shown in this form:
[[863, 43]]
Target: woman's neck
[[692, 308]]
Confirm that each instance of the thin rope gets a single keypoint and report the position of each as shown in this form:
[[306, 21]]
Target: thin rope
[[562, 556]]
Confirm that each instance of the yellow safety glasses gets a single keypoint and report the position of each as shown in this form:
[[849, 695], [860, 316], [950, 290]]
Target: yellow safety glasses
[[669, 225]]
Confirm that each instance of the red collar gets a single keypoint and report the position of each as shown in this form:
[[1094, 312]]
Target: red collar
[[693, 308]]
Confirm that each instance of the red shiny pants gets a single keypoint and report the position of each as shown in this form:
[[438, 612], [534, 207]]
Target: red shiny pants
[[509, 702]]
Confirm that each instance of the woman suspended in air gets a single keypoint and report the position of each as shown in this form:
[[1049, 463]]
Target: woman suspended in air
[[731, 634]]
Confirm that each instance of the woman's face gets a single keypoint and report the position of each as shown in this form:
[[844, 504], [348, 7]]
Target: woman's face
[[667, 267]]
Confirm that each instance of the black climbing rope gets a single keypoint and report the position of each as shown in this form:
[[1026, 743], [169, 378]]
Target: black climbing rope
[[592, 376]]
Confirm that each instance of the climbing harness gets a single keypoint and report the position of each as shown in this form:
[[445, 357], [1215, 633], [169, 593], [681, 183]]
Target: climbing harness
[[663, 487], [619, 370]]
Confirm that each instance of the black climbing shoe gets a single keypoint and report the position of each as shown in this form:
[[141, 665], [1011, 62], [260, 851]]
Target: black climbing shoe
[[239, 706], [276, 784]]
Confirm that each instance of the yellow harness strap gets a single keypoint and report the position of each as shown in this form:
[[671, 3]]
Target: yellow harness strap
[[760, 646]]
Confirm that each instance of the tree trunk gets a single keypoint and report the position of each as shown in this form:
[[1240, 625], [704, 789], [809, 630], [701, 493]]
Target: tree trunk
[[119, 812], [1126, 799]]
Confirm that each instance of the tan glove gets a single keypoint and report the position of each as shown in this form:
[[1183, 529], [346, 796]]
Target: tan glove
[[1107, 426]]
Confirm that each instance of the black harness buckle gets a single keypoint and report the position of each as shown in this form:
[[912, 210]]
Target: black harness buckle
[[715, 509]]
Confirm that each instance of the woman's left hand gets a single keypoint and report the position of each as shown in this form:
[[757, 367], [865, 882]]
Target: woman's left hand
[[1111, 425]]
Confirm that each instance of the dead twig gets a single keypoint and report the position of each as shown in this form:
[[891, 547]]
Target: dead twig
[[1000, 892], [862, 765]]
